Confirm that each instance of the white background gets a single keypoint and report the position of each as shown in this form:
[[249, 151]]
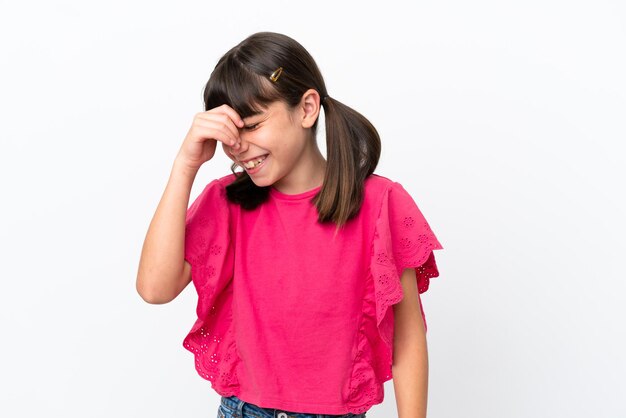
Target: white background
[[504, 120]]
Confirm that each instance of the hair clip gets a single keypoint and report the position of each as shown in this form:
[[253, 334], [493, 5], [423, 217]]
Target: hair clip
[[276, 74]]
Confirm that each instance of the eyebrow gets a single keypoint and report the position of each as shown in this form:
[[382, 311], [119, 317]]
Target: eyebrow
[[260, 112], [254, 115]]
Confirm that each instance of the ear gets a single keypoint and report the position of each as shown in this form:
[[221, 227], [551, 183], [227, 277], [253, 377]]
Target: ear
[[310, 107]]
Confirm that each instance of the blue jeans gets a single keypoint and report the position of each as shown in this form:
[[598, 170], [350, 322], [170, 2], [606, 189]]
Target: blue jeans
[[233, 407]]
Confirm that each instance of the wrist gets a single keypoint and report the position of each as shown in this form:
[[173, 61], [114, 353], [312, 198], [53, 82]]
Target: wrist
[[183, 168]]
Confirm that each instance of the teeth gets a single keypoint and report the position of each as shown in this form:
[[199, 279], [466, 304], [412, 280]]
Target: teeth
[[254, 163]]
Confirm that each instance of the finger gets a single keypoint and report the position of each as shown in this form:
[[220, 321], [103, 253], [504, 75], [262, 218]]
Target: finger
[[237, 120], [218, 131], [227, 149], [221, 119]]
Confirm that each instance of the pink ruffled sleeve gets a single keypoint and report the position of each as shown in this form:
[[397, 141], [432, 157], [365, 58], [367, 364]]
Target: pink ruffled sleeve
[[412, 239], [208, 249], [207, 233], [403, 239]]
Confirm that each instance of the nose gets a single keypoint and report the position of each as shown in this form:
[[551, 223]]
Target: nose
[[243, 146]]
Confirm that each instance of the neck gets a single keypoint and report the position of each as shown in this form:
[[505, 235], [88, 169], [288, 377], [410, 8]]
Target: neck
[[308, 174]]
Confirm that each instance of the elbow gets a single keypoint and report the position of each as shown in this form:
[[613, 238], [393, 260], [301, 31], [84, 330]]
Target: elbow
[[156, 288], [154, 295]]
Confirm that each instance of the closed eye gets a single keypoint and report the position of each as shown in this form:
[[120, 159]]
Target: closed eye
[[251, 127]]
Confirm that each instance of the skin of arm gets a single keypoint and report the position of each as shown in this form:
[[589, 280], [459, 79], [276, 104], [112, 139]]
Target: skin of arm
[[410, 353], [163, 273]]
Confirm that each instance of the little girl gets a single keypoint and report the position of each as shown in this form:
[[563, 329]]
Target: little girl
[[308, 270]]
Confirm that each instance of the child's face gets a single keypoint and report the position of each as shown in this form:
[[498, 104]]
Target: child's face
[[283, 136]]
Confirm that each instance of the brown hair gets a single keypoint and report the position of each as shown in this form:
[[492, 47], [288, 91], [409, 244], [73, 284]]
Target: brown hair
[[241, 80]]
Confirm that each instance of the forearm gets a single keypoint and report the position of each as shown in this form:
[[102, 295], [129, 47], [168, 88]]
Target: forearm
[[410, 377], [161, 261]]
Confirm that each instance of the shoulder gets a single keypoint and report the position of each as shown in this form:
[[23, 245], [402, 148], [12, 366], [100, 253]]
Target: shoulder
[[377, 185], [225, 180], [212, 195], [390, 196], [382, 193], [217, 186]]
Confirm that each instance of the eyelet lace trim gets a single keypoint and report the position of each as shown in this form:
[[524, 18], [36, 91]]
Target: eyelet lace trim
[[211, 339], [411, 245]]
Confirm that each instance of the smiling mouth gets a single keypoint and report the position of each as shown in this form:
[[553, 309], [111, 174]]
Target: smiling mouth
[[253, 163]]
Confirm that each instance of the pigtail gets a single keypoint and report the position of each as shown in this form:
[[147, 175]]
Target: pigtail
[[353, 149]]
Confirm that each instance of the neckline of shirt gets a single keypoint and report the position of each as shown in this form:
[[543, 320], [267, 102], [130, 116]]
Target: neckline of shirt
[[298, 196]]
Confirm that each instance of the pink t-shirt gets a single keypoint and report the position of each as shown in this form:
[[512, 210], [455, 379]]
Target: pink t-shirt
[[290, 317]]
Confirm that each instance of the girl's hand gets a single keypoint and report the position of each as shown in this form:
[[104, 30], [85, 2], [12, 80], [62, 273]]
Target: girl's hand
[[218, 124]]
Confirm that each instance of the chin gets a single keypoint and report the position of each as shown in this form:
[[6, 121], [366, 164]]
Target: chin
[[261, 182]]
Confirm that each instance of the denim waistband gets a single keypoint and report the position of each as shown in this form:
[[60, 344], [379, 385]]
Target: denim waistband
[[236, 405]]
